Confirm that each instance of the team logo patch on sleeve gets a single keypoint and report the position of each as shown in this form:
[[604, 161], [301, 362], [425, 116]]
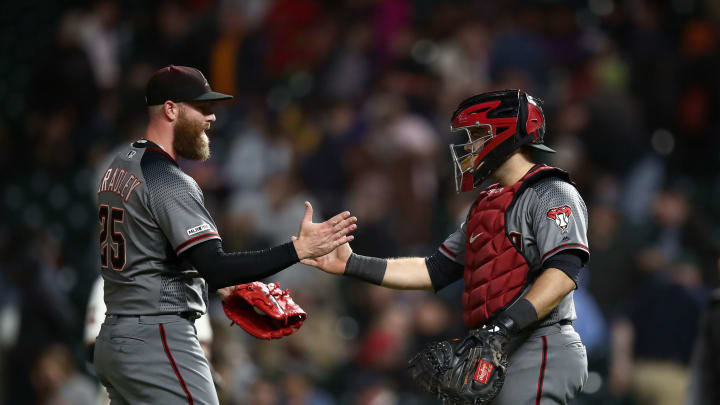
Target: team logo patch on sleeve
[[561, 217], [198, 229]]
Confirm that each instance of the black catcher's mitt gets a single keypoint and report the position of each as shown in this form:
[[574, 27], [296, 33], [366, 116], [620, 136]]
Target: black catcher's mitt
[[470, 371]]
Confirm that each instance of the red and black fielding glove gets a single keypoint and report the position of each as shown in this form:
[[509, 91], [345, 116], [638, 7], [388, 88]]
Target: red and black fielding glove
[[264, 310], [471, 371], [464, 372]]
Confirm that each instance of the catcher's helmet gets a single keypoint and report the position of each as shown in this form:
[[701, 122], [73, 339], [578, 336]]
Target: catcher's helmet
[[488, 128]]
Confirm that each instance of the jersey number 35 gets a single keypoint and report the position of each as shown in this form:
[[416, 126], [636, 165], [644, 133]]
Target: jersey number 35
[[112, 242]]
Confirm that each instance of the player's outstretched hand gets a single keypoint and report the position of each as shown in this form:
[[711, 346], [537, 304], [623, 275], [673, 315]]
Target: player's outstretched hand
[[333, 262], [315, 240]]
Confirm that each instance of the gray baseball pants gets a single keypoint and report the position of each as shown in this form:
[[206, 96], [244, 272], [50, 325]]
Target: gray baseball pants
[[153, 360], [550, 367]]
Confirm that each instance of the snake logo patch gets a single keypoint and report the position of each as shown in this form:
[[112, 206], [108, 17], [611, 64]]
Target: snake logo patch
[[483, 371], [561, 217]]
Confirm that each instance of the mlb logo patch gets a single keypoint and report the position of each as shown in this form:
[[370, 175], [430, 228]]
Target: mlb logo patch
[[197, 229]]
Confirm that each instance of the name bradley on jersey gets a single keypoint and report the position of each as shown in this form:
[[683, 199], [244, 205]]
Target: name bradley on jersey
[[114, 182]]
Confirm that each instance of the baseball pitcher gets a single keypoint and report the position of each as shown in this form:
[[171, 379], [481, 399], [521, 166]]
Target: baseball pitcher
[[160, 249]]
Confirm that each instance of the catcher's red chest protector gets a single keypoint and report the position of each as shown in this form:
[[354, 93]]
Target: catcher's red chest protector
[[495, 270]]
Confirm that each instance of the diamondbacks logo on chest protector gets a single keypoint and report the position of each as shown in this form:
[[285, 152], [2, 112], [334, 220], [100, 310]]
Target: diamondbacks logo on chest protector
[[561, 217]]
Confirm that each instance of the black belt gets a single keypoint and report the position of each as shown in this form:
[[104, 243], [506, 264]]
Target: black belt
[[189, 315], [564, 322]]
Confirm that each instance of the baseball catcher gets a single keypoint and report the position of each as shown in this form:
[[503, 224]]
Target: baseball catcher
[[519, 252]]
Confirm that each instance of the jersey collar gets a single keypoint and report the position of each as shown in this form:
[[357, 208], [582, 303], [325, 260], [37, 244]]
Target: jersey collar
[[152, 146]]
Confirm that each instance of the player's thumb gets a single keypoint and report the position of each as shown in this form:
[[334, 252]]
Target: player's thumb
[[308, 212]]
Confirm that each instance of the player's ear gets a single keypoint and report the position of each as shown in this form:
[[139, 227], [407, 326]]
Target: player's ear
[[171, 110]]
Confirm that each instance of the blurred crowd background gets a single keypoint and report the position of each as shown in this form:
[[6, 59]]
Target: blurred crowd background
[[346, 103]]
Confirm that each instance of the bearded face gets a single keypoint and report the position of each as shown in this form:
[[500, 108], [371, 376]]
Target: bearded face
[[190, 140]]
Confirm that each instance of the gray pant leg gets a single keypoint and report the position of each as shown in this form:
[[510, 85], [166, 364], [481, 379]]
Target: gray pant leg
[[549, 368], [153, 360]]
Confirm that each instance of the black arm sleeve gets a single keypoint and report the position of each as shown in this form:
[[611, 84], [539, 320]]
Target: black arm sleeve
[[569, 261], [222, 269], [442, 270]]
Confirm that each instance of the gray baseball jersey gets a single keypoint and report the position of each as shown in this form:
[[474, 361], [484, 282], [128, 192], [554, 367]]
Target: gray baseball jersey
[[547, 218], [149, 212]]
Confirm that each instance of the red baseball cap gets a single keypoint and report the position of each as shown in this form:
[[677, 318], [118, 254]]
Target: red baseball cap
[[180, 83]]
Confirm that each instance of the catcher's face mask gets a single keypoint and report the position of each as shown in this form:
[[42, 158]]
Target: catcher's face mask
[[465, 149]]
